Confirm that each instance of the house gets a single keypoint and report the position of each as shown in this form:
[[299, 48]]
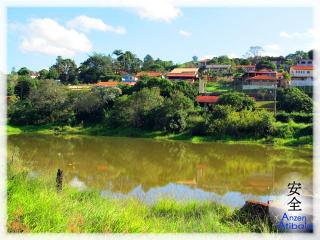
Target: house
[[128, 78], [203, 62], [218, 68], [261, 79], [114, 84], [189, 74], [34, 75], [305, 62], [149, 74], [301, 75], [260, 82], [247, 68]]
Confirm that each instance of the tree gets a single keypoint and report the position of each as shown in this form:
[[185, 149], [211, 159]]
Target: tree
[[195, 59], [239, 101], [294, 100], [254, 51], [128, 61], [310, 54], [66, 69], [265, 64], [43, 74], [24, 86], [147, 63], [24, 71], [49, 101], [96, 68]]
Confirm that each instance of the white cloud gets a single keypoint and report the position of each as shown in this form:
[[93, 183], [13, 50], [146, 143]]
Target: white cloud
[[309, 33], [233, 55], [185, 33], [44, 35], [210, 56], [85, 23], [272, 50], [158, 11]]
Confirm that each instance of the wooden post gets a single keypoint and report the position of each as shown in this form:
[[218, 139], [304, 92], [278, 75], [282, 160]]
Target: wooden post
[[59, 180]]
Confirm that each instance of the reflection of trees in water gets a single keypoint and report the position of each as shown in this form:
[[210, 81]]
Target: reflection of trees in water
[[123, 163]]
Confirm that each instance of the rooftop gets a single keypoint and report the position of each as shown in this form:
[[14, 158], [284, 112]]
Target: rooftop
[[207, 99], [302, 67]]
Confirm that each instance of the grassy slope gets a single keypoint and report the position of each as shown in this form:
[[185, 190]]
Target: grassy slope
[[35, 206]]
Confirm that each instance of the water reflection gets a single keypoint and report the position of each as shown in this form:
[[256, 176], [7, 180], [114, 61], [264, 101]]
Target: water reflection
[[151, 169]]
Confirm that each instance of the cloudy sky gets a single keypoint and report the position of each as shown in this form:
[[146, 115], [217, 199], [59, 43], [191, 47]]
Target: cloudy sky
[[36, 36]]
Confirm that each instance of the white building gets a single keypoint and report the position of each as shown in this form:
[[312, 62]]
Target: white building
[[301, 75]]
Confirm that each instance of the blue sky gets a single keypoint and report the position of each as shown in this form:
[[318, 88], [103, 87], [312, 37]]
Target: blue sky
[[37, 35]]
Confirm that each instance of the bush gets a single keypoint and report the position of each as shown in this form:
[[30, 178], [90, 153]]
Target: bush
[[239, 101], [244, 123], [284, 131], [283, 116], [301, 117], [294, 100], [307, 131]]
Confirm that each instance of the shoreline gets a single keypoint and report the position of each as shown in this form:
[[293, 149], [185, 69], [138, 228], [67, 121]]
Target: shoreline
[[99, 130]]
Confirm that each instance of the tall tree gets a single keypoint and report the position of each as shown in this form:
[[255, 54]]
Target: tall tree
[[96, 68], [67, 70]]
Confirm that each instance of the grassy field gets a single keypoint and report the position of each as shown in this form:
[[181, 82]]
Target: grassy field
[[217, 87], [35, 206], [269, 105]]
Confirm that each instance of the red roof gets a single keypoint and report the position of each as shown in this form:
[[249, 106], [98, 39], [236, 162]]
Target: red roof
[[263, 77], [207, 99], [150, 74], [302, 67], [192, 75], [113, 84]]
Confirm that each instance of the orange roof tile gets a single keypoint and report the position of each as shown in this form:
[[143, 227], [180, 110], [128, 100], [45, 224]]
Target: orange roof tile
[[207, 99], [263, 77], [302, 67]]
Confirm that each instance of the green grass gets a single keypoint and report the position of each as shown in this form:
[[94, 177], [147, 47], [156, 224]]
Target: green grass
[[217, 87], [35, 206], [265, 104]]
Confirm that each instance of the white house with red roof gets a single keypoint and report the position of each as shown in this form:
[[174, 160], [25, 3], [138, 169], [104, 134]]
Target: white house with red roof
[[301, 75], [262, 79]]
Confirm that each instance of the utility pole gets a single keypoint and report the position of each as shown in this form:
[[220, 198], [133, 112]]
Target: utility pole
[[275, 99]]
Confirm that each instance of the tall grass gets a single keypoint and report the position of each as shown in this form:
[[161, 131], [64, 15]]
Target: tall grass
[[35, 206]]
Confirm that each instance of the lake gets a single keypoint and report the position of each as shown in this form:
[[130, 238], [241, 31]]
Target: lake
[[150, 170]]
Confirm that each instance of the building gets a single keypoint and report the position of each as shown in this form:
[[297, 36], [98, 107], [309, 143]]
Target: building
[[301, 75], [261, 79], [128, 78], [247, 68], [305, 62], [207, 99], [189, 74], [149, 74], [260, 82], [218, 68]]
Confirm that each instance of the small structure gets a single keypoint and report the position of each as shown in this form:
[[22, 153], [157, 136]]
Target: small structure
[[207, 100], [149, 74], [189, 74], [260, 82]]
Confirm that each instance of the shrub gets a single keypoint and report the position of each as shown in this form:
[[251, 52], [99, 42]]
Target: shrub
[[239, 101], [301, 117], [294, 100], [282, 116], [284, 131]]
